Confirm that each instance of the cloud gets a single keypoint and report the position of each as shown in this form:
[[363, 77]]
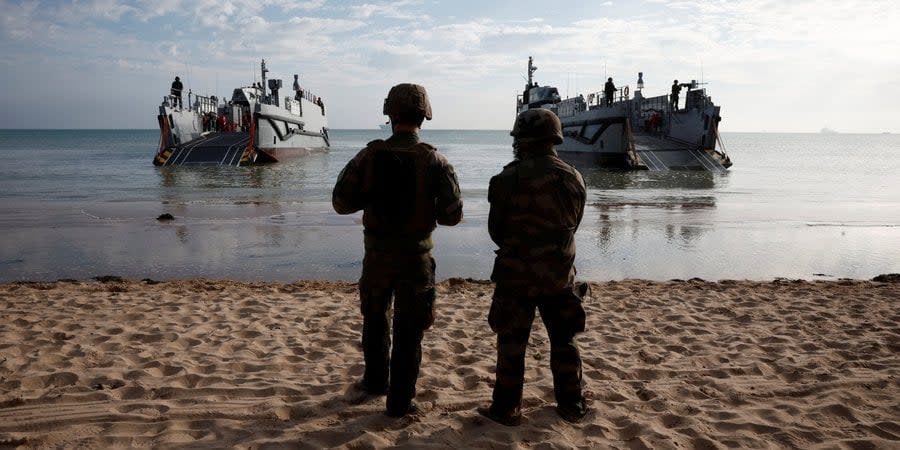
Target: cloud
[[404, 10], [324, 25], [752, 51], [19, 20], [305, 5], [91, 10]]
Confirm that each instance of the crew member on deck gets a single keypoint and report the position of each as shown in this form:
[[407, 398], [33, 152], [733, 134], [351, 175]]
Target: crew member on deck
[[298, 94], [245, 121], [609, 89], [676, 89], [177, 87]]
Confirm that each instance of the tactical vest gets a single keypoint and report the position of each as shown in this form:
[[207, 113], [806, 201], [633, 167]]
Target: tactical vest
[[400, 212]]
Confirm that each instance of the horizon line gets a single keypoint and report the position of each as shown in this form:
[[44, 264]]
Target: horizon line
[[456, 129]]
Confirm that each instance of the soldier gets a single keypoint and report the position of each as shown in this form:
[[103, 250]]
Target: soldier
[[537, 202], [609, 90], [177, 87], [676, 90], [404, 186]]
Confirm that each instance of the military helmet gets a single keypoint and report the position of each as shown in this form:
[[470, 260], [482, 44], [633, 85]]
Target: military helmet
[[537, 124], [407, 98]]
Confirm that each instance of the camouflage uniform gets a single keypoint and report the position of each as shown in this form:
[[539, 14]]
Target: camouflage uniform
[[537, 203], [399, 215]]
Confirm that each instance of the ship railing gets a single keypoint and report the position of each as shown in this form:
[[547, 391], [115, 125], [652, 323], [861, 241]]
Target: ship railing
[[204, 104], [596, 99], [651, 114], [308, 95], [655, 104], [622, 94]]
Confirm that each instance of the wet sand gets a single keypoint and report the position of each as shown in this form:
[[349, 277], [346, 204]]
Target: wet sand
[[676, 364]]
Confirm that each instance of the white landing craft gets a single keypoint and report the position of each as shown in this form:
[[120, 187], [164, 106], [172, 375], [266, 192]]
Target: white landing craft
[[254, 126], [648, 133]]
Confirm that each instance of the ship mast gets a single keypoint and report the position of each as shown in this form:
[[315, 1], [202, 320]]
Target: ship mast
[[531, 69], [263, 70]]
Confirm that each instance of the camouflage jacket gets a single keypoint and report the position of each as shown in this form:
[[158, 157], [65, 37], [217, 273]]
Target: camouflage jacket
[[399, 210], [536, 206]]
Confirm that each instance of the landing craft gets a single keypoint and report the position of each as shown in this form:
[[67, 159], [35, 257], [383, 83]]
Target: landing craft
[[254, 126], [646, 133]]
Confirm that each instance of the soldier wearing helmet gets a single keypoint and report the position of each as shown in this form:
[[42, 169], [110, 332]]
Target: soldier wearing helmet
[[404, 187], [673, 99], [537, 203], [177, 87], [609, 90]]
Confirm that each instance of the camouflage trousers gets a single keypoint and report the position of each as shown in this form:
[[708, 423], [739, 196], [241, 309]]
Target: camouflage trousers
[[511, 317], [408, 279]]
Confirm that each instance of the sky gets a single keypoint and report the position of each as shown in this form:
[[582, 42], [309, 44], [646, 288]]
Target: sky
[[773, 66]]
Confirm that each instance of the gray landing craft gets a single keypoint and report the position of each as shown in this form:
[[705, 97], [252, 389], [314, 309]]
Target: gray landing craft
[[254, 126], [648, 133]]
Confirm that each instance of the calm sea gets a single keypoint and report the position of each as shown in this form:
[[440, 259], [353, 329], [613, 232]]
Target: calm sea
[[82, 203]]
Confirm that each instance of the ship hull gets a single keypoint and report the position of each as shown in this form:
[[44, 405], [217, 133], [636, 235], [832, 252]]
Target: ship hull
[[274, 135], [621, 136]]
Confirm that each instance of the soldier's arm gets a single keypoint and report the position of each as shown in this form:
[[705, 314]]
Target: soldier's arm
[[581, 190], [496, 215], [348, 195], [448, 203]]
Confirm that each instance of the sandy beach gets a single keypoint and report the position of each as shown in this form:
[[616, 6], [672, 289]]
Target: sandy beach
[[677, 364]]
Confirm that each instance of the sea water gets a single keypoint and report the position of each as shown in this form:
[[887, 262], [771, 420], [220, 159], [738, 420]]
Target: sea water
[[83, 203]]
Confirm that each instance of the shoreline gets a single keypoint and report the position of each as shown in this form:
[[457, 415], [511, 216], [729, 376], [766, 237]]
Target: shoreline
[[667, 364]]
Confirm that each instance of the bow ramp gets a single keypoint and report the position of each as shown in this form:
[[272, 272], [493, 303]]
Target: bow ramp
[[218, 149], [659, 153]]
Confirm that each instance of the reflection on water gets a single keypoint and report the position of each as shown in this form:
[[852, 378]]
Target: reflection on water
[[212, 177], [252, 200], [631, 204], [601, 179]]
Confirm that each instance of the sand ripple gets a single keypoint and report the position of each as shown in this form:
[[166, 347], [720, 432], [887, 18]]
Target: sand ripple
[[679, 364]]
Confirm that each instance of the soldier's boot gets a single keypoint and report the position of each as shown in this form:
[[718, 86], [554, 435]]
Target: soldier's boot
[[377, 389], [572, 412], [510, 418], [400, 408]]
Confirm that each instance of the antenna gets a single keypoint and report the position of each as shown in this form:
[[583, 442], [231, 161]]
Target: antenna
[[531, 69]]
